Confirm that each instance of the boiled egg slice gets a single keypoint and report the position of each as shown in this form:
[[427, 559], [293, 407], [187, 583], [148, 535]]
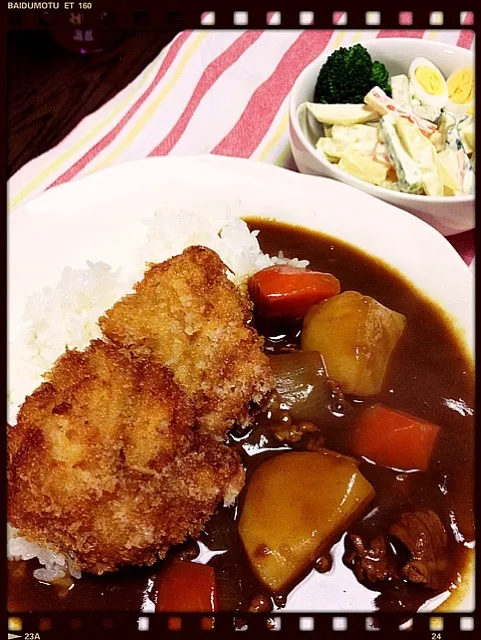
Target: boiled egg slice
[[427, 83], [461, 91]]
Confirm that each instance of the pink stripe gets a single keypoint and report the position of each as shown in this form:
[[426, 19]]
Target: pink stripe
[[265, 102], [466, 38], [211, 74], [400, 33], [110, 137], [464, 244]]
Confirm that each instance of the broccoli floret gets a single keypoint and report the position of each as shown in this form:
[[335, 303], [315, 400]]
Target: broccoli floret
[[348, 74], [380, 77]]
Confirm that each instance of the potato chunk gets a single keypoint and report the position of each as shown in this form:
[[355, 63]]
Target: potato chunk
[[356, 336], [296, 505]]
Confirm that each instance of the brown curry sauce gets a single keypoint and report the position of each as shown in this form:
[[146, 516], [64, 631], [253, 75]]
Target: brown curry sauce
[[429, 377]]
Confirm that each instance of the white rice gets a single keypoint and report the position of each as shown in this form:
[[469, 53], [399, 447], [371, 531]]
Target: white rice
[[54, 564], [230, 238], [54, 319], [67, 316]]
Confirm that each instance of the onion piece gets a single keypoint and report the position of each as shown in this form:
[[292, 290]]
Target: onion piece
[[304, 389]]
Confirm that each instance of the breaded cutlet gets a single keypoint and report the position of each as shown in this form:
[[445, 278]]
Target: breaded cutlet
[[106, 466], [188, 315]]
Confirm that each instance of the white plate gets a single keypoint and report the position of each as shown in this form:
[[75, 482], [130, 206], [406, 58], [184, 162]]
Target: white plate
[[99, 218]]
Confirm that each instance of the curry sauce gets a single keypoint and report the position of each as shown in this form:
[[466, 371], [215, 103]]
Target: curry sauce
[[429, 377]]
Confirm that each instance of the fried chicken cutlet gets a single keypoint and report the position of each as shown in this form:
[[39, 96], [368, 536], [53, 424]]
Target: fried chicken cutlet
[[191, 318], [105, 464]]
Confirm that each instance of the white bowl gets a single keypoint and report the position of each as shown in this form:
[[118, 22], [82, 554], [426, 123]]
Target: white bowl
[[449, 215], [101, 217]]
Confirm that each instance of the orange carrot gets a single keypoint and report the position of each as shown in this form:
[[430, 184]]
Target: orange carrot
[[284, 291], [186, 586], [394, 439]]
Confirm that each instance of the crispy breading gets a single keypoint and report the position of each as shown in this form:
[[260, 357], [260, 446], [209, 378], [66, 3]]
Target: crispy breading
[[105, 463], [187, 314]]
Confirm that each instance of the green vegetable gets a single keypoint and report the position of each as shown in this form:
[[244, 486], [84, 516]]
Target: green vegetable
[[348, 74], [380, 77]]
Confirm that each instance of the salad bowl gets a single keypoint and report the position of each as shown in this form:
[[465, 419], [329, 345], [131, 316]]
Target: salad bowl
[[448, 214]]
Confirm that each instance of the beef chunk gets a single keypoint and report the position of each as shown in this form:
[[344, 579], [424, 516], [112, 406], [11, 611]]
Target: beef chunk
[[424, 535], [371, 559]]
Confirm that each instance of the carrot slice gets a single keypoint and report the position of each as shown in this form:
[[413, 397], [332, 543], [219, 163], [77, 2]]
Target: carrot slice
[[285, 291], [187, 586], [394, 439]]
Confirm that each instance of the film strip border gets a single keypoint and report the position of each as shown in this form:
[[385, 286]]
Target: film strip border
[[62, 14], [120, 625]]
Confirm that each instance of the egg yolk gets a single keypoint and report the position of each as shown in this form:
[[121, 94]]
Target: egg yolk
[[461, 86], [430, 80]]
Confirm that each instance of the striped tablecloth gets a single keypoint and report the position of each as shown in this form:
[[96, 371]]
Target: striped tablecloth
[[220, 92]]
